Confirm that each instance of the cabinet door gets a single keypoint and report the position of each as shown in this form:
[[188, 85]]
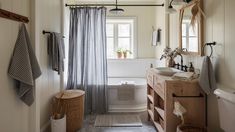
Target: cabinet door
[[159, 86], [150, 80], [186, 94]]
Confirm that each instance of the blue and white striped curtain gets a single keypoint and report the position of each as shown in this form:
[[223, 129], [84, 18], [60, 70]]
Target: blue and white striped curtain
[[87, 66]]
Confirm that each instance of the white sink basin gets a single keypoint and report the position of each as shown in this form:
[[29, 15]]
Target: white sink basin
[[167, 71]]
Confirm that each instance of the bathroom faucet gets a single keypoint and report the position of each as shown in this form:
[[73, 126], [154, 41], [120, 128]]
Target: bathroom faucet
[[181, 61], [182, 66]]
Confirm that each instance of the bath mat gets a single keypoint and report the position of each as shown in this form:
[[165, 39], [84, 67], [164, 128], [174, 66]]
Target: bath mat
[[118, 121]]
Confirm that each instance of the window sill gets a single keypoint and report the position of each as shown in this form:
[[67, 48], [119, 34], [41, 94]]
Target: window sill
[[122, 59]]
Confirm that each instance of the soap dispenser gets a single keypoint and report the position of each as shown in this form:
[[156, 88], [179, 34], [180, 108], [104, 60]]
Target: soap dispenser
[[191, 68]]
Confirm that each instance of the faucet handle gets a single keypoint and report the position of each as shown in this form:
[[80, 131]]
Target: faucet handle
[[186, 68], [178, 66]]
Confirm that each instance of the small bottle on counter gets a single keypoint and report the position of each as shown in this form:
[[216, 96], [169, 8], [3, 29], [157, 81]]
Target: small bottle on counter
[[151, 65], [191, 68]]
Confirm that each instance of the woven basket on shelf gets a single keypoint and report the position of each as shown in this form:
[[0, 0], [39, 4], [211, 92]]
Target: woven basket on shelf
[[73, 102], [190, 128]]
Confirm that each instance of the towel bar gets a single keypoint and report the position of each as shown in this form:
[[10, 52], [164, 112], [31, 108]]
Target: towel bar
[[47, 32], [199, 96]]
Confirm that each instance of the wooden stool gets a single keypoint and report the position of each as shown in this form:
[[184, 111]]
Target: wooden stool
[[73, 102]]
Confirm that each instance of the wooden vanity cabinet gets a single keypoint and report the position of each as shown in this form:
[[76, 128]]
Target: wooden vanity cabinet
[[162, 92]]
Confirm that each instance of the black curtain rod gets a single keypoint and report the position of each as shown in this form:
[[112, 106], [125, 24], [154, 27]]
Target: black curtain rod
[[114, 5]]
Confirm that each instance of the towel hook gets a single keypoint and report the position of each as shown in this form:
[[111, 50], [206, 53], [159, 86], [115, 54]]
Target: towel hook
[[209, 44]]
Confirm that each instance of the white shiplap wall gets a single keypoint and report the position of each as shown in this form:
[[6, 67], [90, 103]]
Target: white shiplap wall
[[14, 114]]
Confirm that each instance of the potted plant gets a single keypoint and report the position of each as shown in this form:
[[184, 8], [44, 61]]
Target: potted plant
[[58, 118], [170, 55], [119, 53], [125, 52]]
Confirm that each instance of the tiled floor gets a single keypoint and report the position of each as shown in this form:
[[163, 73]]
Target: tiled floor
[[90, 121]]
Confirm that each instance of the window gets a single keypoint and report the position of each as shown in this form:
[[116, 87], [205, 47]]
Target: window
[[189, 36], [120, 35]]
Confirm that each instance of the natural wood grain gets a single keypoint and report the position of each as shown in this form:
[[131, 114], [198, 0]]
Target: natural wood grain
[[158, 126], [164, 87], [13, 16], [151, 114], [161, 112], [150, 98]]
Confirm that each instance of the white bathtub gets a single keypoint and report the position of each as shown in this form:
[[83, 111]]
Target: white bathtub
[[134, 99]]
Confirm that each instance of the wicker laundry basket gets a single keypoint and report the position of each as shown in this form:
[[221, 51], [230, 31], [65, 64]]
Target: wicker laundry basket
[[72, 102]]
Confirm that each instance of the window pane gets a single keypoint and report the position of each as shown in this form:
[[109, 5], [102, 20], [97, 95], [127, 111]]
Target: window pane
[[184, 43], [123, 30], [110, 48], [193, 30], [124, 43], [193, 44], [184, 30], [110, 30]]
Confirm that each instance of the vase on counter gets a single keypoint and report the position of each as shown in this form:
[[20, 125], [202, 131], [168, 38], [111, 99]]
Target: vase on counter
[[170, 62]]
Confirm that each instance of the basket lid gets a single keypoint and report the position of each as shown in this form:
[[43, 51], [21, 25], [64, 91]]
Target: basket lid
[[69, 94]]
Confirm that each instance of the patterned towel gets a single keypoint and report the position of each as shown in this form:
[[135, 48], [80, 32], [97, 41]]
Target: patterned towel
[[24, 67]]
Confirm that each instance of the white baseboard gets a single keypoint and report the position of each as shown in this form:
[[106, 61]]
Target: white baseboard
[[45, 127]]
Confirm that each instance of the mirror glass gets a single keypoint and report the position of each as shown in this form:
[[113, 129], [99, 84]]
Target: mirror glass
[[190, 31]]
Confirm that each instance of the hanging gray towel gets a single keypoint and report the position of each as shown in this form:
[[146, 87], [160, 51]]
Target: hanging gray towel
[[56, 51], [207, 78], [24, 67]]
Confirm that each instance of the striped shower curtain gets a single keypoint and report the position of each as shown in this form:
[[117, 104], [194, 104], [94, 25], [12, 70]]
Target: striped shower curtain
[[87, 66]]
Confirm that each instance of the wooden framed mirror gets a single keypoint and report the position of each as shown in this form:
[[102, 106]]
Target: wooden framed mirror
[[191, 28]]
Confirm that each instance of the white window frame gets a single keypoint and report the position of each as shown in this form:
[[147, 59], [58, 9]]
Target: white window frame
[[133, 33]]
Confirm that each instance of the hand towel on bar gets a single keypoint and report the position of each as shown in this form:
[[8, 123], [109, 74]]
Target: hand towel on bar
[[207, 77], [24, 67], [156, 36], [56, 51]]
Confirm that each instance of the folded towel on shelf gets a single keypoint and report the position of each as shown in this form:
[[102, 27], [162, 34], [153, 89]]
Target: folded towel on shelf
[[183, 76], [24, 67], [207, 77], [56, 51]]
